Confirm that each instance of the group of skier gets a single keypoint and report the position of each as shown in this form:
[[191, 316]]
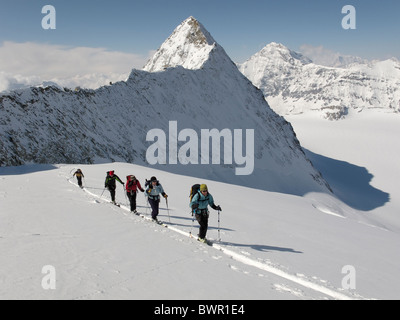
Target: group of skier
[[200, 198]]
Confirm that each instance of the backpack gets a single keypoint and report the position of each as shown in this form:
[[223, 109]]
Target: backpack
[[148, 183], [194, 190], [129, 179]]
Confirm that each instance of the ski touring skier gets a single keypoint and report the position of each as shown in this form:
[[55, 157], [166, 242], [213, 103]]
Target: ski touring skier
[[199, 204], [79, 175], [132, 187], [153, 192], [110, 184]]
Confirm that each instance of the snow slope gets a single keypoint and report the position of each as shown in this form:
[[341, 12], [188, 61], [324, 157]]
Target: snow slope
[[293, 84], [273, 246]]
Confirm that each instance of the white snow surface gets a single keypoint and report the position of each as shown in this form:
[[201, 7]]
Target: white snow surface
[[273, 245]]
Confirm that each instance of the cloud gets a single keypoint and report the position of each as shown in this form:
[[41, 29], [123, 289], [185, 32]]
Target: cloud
[[11, 82], [32, 63], [326, 57]]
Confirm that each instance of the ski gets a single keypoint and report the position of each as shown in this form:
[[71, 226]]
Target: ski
[[206, 241], [159, 222]]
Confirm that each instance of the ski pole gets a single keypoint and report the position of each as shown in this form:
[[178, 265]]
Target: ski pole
[[191, 228], [126, 196], [103, 192], [169, 218], [219, 226], [147, 205]]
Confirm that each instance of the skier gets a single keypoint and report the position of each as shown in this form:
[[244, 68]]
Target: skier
[[153, 192], [79, 175], [132, 187], [199, 205], [110, 184]]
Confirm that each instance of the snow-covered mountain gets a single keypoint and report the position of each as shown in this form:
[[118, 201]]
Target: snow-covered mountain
[[189, 46], [200, 89], [293, 84], [272, 245]]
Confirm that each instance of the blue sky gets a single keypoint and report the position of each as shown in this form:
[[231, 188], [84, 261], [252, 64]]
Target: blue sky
[[129, 31], [241, 27]]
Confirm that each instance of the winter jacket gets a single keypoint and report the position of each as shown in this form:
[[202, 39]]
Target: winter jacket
[[133, 186], [79, 174], [154, 192], [202, 201], [110, 182]]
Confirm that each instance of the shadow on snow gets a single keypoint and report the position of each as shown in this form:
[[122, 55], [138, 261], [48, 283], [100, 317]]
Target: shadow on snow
[[350, 183], [26, 169], [258, 247]]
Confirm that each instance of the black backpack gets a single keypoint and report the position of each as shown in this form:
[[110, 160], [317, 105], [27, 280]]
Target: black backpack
[[194, 190], [148, 183]]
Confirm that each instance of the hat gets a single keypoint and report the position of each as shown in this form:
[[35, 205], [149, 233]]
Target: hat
[[203, 187], [111, 173], [153, 179]]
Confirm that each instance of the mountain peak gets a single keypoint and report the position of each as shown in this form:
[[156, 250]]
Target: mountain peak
[[279, 50], [194, 32], [188, 46], [276, 45]]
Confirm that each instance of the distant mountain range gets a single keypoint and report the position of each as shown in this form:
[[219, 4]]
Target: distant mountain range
[[293, 84]]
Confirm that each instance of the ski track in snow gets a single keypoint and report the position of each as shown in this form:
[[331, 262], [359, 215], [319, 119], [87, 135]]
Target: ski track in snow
[[242, 257], [286, 288]]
